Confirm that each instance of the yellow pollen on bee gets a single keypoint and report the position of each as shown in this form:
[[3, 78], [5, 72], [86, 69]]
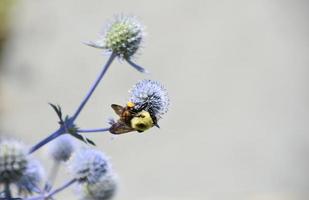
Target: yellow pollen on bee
[[130, 104]]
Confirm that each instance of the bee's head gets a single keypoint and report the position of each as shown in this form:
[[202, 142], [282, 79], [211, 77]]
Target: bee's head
[[142, 121]]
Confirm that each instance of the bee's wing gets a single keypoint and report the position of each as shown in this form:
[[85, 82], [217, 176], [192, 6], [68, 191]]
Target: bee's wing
[[117, 108], [120, 128]]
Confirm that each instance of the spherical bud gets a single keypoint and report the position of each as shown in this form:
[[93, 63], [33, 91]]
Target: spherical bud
[[89, 165], [104, 189], [62, 148], [13, 161], [31, 178], [123, 37], [151, 95]]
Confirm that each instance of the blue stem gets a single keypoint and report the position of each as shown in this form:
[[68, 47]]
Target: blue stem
[[60, 188], [7, 191], [93, 87], [93, 130], [52, 176], [41, 197], [78, 110], [46, 140]]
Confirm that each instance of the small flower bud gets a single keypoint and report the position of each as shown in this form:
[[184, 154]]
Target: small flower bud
[[13, 161], [89, 165], [62, 148], [31, 178], [152, 95], [123, 37]]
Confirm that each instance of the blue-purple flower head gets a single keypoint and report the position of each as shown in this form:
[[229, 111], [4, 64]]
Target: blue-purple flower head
[[31, 178], [104, 189], [13, 161], [62, 148], [152, 95], [123, 37], [89, 165]]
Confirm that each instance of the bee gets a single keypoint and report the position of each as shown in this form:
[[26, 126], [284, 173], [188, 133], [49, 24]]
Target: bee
[[133, 118]]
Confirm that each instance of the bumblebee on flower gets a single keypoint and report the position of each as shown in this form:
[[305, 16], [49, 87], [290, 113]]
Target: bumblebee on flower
[[91, 169], [148, 102]]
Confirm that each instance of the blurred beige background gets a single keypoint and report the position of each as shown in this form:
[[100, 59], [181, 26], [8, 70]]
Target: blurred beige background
[[236, 72]]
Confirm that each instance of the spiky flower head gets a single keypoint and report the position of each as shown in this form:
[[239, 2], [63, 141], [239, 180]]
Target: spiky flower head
[[13, 160], [89, 165], [31, 178], [123, 36], [62, 148], [152, 95], [104, 189]]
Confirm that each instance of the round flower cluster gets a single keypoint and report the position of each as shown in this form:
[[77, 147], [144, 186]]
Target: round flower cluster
[[31, 178], [13, 161], [89, 165], [152, 95], [104, 189], [123, 37], [62, 148]]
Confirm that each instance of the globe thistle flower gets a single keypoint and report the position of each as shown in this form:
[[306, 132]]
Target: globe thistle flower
[[89, 165], [62, 148], [31, 178], [122, 37], [104, 189], [13, 161], [152, 95]]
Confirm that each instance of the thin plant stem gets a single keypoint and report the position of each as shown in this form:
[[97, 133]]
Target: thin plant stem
[[93, 130], [47, 196], [52, 176], [60, 188], [93, 87], [62, 130], [49, 138], [7, 191]]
